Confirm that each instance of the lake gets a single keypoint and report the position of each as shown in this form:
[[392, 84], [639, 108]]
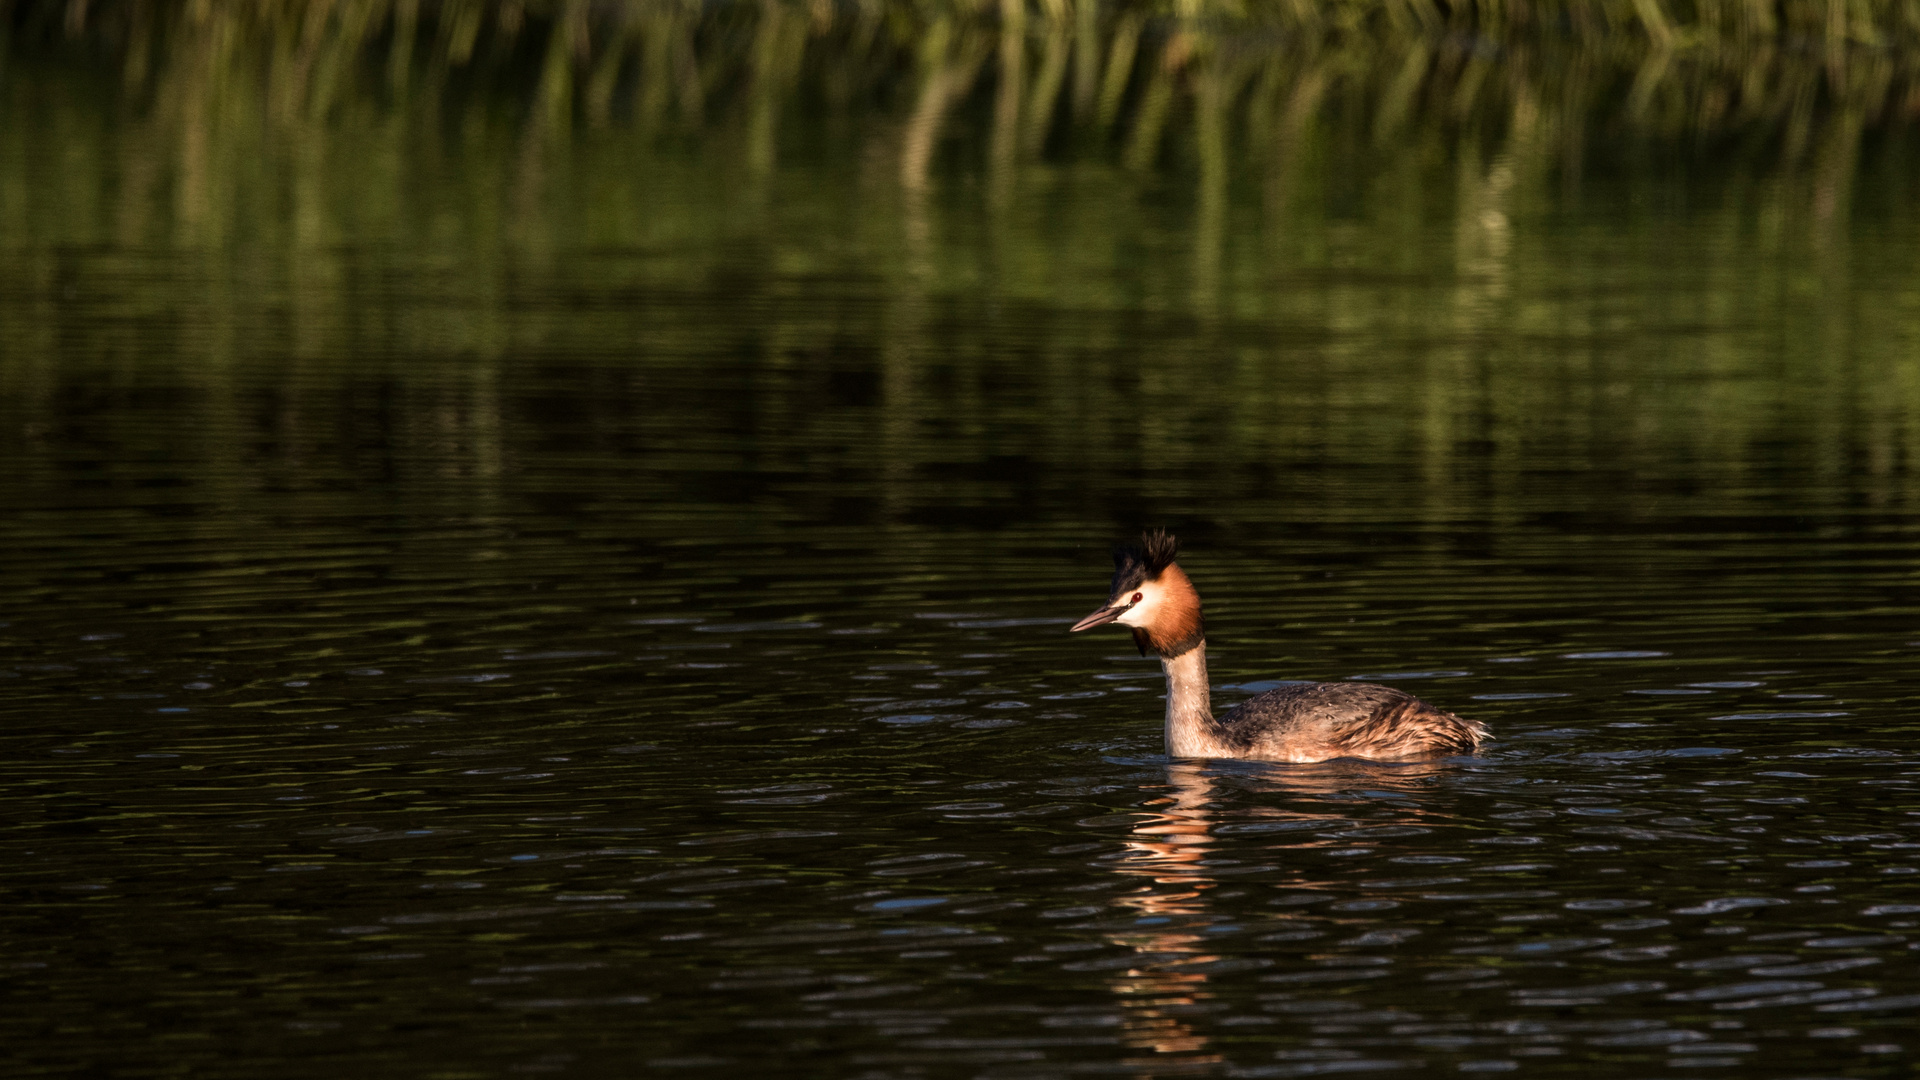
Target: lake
[[498, 587]]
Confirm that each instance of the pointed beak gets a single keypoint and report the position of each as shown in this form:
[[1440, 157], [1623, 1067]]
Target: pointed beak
[[1106, 614]]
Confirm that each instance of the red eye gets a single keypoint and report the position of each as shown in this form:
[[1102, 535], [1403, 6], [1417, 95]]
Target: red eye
[[1136, 598]]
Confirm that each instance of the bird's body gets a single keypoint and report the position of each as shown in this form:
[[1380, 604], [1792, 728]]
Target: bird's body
[[1301, 722]]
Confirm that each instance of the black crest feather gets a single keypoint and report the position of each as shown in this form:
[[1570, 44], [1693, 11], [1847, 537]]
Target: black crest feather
[[1136, 563]]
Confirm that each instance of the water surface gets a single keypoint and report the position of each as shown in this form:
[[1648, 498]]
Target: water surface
[[642, 646]]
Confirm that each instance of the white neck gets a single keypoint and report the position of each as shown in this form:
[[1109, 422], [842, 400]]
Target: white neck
[[1190, 730]]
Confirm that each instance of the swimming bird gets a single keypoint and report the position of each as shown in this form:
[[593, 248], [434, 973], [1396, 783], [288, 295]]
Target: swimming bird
[[1302, 722]]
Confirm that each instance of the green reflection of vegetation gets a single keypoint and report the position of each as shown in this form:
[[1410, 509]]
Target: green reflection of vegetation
[[218, 88], [1387, 178]]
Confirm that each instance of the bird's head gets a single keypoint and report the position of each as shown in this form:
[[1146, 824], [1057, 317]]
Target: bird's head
[[1152, 596]]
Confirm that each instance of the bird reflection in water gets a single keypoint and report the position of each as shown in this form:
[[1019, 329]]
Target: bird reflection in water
[[1168, 847], [1173, 937]]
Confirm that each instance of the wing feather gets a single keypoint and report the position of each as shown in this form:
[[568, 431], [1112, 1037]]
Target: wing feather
[[1318, 721]]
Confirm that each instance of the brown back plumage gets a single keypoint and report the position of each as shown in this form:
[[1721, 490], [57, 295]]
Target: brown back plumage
[[1324, 720], [1407, 729]]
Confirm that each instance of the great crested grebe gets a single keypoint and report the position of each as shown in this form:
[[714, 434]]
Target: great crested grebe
[[1303, 722]]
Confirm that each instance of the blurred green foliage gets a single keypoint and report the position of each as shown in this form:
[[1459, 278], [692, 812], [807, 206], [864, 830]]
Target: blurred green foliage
[[1581, 232], [1202, 82]]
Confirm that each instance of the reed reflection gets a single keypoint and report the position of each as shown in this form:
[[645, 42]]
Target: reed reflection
[[1226, 87], [317, 178]]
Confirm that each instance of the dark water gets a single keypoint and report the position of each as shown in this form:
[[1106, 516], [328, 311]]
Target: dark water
[[597, 649]]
